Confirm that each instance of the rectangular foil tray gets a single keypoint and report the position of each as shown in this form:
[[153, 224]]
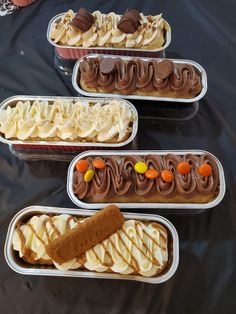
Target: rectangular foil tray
[[11, 101], [58, 17], [21, 267], [200, 69], [180, 207]]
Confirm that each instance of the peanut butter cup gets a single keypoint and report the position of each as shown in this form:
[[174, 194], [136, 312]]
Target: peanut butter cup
[[107, 65], [165, 68]]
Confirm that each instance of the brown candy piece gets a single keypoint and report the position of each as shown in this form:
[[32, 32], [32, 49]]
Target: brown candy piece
[[164, 68], [107, 65], [86, 235], [83, 20], [129, 22]]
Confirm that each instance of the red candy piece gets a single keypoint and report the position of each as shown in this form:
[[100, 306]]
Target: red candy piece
[[151, 174], [183, 167], [99, 164], [205, 170], [167, 176], [82, 165]]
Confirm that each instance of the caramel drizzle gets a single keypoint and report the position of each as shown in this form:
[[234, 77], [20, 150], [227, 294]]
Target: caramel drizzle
[[54, 227], [45, 230], [109, 256], [153, 260], [133, 264], [21, 237], [35, 233]]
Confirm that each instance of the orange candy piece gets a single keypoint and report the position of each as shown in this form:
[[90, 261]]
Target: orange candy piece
[[205, 170], [183, 167], [167, 175], [99, 164], [151, 174], [82, 165]]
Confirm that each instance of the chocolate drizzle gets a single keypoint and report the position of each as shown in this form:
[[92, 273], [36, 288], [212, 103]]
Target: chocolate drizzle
[[129, 77], [120, 180]]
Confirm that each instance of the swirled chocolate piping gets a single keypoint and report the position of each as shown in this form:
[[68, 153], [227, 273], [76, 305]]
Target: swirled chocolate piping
[[136, 75], [119, 182]]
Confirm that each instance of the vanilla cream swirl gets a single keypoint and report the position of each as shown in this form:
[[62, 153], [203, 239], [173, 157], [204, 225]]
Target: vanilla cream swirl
[[105, 33], [67, 120], [137, 248]]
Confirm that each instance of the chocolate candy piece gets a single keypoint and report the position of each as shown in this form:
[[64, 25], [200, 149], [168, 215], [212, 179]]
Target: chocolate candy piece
[[83, 20], [107, 65], [129, 22], [92, 231], [164, 68]]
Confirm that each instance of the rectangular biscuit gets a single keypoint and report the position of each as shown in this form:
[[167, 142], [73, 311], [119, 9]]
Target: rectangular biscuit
[[86, 235]]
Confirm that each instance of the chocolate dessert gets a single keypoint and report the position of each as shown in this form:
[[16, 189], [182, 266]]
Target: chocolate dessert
[[163, 78], [148, 179]]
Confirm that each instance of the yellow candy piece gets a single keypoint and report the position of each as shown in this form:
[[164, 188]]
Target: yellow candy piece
[[140, 167], [88, 175]]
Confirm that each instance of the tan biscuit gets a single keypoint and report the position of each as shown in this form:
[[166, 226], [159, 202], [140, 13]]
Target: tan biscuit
[[89, 233]]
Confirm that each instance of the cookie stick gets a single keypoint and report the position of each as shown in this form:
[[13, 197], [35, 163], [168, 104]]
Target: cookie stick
[[86, 235]]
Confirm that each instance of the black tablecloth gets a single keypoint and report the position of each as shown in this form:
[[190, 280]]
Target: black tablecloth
[[205, 281]]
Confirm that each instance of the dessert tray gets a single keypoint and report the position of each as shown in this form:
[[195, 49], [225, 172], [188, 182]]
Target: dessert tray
[[74, 184], [35, 109], [76, 76], [74, 52], [22, 267]]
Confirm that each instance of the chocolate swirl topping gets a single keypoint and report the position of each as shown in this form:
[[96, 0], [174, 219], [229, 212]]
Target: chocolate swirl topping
[[134, 76], [120, 180]]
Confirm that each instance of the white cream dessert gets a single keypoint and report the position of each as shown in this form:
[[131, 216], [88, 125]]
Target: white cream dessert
[[104, 31], [67, 121], [137, 248]]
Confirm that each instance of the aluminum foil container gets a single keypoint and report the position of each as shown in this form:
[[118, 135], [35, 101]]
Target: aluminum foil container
[[179, 208], [70, 52], [77, 87], [21, 267], [63, 145]]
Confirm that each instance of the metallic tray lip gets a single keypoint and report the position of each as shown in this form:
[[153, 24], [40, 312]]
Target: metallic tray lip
[[8, 101], [190, 206], [57, 18], [139, 97], [89, 274]]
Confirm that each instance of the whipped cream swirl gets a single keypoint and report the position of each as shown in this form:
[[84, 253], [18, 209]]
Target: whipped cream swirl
[[137, 248], [105, 33], [67, 120]]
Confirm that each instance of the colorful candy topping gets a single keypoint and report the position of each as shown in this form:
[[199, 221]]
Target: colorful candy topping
[[82, 165], [151, 174], [99, 164], [140, 167], [205, 170], [183, 167], [88, 175], [167, 176]]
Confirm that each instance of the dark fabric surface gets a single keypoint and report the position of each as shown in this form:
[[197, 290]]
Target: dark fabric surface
[[205, 281]]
